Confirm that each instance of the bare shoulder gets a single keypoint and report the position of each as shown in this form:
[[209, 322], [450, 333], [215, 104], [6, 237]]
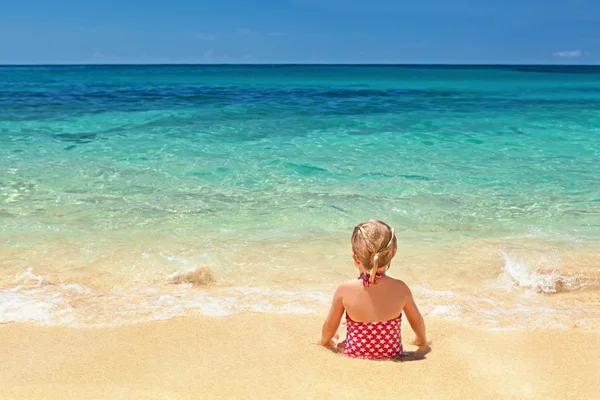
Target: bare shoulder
[[400, 285], [349, 284], [346, 287]]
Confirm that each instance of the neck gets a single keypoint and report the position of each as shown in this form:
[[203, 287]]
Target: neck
[[379, 270]]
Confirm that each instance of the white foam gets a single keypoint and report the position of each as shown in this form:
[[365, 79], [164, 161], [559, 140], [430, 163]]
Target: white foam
[[28, 276], [445, 310], [545, 277], [33, 299], [174, 259], [34, 305]]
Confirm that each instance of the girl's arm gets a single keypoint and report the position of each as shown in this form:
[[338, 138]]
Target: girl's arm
[[415, 319], [332, 322]]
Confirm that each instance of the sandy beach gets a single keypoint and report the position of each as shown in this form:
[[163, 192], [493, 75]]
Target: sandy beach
[[276, 356]]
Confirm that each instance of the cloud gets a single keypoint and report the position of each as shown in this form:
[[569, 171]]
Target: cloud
[[209, 55], [569, 54], [246, 32], [103, 58], [215, 57], [208, 37], [316, 35]]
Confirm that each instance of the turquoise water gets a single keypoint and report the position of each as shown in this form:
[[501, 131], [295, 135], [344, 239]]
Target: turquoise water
[[194, 161]]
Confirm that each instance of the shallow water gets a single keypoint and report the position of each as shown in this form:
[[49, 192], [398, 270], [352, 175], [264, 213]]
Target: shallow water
[[116, 179]]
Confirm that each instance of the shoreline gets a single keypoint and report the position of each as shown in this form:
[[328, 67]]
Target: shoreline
[[277, 356], [520, 286]]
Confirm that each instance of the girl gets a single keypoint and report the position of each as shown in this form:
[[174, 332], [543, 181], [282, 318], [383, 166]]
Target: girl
[[374, 303]]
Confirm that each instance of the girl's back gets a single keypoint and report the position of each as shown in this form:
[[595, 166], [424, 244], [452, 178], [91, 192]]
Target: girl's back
[[380, 302]]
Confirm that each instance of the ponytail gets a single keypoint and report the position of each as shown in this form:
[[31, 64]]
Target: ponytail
[[374, 266]]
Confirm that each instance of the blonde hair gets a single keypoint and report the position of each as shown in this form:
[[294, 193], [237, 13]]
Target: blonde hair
[[374, 244]]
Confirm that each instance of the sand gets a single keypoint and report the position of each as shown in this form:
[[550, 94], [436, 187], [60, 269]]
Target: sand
[[277, 356]]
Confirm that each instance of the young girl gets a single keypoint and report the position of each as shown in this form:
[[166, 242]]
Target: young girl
[[374, 303]]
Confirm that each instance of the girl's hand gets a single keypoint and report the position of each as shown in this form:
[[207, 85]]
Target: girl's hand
[[334, 317], [333, 342]]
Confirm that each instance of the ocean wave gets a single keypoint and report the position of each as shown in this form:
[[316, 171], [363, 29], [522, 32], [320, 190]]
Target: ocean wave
[[197, 276], [34, 299], [545, 276], [196, 291]]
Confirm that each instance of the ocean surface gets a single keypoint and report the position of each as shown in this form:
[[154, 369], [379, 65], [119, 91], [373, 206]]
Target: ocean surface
[[134, 193]]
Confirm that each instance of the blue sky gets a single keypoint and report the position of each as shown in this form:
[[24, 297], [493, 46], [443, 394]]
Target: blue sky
[[290, 31]]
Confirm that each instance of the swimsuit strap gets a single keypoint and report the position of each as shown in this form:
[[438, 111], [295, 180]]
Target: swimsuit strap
[[366, 278]]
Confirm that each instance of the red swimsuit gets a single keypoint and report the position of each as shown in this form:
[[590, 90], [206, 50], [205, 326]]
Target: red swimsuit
[[373, 339]]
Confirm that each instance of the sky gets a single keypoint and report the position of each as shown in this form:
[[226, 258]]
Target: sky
[[300, 31]]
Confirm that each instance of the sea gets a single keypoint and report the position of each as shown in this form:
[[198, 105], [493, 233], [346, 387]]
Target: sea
[[147, 192]]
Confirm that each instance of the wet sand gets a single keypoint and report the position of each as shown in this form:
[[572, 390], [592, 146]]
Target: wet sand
[[276, 356]]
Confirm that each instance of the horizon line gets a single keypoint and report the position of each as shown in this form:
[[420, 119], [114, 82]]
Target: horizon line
[[295, 64]]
